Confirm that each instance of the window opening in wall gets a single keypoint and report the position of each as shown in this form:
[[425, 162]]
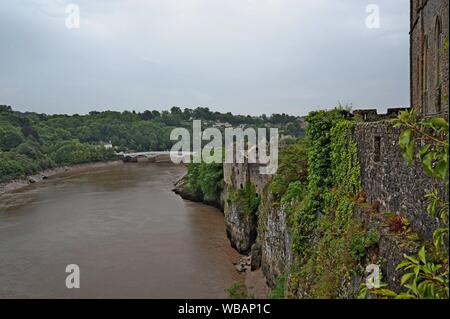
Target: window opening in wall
[[438, 49], [438, 100], [377, 148], [425, 76], [418, 81]]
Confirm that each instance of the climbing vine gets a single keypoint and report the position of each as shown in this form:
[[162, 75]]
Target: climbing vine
[[328, 242], [333, 178], [319, 135], [332, 260]]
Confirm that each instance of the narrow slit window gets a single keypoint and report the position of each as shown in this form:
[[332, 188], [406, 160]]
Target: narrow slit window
[[377, 148], [438, 49]]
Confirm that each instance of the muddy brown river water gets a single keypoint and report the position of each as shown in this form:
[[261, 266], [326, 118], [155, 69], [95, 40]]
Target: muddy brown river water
[[131, 236]]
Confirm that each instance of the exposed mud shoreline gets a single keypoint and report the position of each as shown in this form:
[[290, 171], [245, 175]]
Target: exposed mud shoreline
[[52, 172], [254, 280]]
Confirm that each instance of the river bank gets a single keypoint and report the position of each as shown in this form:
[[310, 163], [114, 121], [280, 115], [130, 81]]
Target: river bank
[[254, 279], [17, 184], [131, 236]]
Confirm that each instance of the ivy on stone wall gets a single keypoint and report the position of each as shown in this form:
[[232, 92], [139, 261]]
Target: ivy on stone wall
[[319, 137], [326, 238], [333, 177], [345, 172]]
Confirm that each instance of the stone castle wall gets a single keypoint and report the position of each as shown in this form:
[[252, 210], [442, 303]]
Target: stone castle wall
[[386, 178], [429, 61], [238, 175], [387, 181]]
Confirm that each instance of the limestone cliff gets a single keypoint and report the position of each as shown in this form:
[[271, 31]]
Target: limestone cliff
[[275, 241], [241, 226]]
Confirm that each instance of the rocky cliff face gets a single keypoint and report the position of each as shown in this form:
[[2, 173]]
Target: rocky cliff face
[[241, 227], [274, 240], [265, 236]]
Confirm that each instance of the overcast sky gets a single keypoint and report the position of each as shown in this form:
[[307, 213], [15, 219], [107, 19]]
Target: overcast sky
[[242, 56]]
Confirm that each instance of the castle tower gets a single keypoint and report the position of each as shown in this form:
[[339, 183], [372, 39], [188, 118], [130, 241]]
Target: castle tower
[[429, 56]]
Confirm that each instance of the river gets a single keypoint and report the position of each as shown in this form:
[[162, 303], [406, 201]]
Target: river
[[130, 235]]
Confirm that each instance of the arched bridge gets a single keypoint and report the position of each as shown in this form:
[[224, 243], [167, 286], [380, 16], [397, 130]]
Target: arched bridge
[[154, 156]]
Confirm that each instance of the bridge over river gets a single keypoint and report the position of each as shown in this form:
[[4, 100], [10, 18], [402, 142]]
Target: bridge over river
[[153, 156]]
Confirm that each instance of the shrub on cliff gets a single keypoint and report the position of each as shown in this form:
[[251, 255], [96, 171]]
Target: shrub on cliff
[[204, 181], [292, 168], [247, 198]]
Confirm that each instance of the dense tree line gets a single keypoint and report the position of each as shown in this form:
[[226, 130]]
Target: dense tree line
[[30, 142]]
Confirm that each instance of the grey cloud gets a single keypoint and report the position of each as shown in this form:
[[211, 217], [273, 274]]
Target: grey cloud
[[231, 55]]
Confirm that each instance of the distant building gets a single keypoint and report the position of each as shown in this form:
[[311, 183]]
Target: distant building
[[428, 56], [108, 145], [222, 124]]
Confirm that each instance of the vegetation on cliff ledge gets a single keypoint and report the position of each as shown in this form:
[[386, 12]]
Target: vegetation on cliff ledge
[[317, 185], [247, 198], [204, 181]]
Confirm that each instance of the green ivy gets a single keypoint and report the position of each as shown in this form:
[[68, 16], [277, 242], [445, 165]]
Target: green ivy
[[279, 292], [247, 198], [320, 177], [361, 242], [292, 167], [333, 178], [237, 291], [320, 210], [205, 180]]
